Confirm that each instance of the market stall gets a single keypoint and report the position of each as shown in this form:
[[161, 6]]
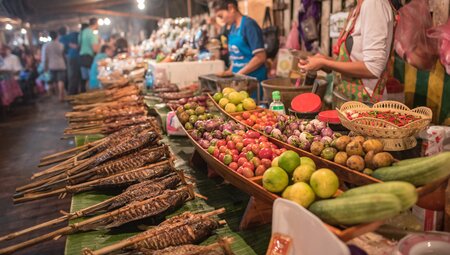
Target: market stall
[[174, 156]]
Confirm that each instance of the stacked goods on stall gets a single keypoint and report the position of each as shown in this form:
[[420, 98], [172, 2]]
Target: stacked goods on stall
[[106, 111]]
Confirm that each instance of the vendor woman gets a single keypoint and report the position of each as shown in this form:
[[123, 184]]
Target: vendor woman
[[245, 41], [363, 50]]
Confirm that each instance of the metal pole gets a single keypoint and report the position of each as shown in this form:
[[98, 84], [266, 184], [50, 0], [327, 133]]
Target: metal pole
[[189, 7]]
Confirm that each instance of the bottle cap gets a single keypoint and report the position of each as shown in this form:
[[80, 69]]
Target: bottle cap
[[276, 95]]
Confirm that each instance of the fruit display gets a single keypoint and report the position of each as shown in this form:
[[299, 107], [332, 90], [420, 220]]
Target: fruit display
[[297, 179], [314, 136], [258, 119], [198, 100], [366, 204], [234, 101], [417, 171], [245, 151], [396, 118], [191, 112]]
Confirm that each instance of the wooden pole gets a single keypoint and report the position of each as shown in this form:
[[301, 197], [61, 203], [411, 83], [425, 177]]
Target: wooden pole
[[325, 28], [189, 8]]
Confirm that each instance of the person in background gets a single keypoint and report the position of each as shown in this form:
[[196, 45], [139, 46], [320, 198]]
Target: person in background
[[121, 46], [245, 41], [89, 45], [70, 42], [55, 63], [105, 52], [112, 40], [9, 62]]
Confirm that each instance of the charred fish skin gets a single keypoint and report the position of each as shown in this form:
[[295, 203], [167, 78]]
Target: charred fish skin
[[136, 176], [188, 249], [131, 161], [134, 143], [190, 233], [170, 199], [146, 190]]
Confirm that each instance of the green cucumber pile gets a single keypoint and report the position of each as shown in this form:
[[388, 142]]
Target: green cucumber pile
[[366, 204], [417, 171]]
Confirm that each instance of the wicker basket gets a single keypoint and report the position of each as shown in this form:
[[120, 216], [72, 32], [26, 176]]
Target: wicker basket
[[373, 127]]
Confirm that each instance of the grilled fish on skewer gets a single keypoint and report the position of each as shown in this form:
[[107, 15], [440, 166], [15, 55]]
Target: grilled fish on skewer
[[222, 247], [183, 230], [120, 179], [153, 207], [137, 192]]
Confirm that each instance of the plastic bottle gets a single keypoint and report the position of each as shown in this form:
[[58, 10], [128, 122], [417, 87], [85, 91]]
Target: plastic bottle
[[277, 105], [149, 79]]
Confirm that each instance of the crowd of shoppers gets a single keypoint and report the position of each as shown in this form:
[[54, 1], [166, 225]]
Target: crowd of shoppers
[[66, 65]]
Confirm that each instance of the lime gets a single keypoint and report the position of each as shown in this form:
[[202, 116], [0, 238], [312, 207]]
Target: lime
[[324, 182], [249, 104], [307, 161], [235, 97], [244, 94], [302, 194], [275, 161], [275, 179], [223, 102], [230, 108], [239, 108], [217, 96], [286, 192], [303, 173], [289, 160], [227, 91]]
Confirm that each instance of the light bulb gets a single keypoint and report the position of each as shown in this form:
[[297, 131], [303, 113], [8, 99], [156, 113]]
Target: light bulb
[[8, 27], [100, 22], [107, 21], [140, 1], [141, 6], [23, 31]]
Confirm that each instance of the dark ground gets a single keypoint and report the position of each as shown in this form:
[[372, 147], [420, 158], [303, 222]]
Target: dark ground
[[28, 133]]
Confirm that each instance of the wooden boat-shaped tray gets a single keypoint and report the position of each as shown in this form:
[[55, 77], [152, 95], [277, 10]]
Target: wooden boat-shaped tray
[[344, 173], [253, 187]]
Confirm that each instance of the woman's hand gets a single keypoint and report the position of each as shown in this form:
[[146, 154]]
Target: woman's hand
[[313, 63], [225, 73]]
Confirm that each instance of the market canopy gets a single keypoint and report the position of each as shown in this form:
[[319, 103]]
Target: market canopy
[[48, 12]]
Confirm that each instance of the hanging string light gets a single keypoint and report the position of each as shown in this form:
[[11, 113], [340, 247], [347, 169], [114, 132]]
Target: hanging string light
[[141, 4]]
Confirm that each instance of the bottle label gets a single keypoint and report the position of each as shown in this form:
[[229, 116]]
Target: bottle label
[[277, 108]]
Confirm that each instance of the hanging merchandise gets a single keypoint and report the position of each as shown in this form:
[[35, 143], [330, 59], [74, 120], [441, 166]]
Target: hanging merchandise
[[308, 18], [442, 34], [292, 41], [411, 41], [270, 35]]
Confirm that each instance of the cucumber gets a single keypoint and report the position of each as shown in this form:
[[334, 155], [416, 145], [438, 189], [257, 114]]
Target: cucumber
[[420, 173], [405, 192], [357, 209], [411, 161]]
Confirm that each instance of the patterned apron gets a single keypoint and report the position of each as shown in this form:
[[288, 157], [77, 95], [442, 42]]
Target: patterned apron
[[353, 88]]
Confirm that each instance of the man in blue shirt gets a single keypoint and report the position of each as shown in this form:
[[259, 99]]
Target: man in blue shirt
[[70, 42], [245, 41]]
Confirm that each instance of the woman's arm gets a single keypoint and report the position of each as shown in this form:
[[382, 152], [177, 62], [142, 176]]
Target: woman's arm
[[351, 69], [258, 59]]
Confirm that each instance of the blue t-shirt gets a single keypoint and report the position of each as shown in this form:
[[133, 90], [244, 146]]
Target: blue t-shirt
[[252, 34], [66, 40], [93, 80]]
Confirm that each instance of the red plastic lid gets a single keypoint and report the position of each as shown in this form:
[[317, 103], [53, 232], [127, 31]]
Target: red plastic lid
[[307, 102], [330, 116]]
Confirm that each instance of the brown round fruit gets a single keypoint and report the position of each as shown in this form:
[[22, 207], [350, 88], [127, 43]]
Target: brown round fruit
[[359, 139], [341, 158], [355, 162], [354, 148], [374, 145], [382, 159], [341, 142]]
